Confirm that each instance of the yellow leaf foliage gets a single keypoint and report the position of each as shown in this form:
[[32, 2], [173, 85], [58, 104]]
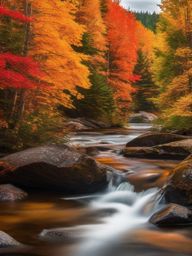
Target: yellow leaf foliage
[[173, 60], [55, 31], [90, 15], [183, 107], [146, 39]]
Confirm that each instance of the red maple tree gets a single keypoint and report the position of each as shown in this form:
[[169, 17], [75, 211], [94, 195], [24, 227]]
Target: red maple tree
[[123, 46], [14, 14], [18, 72]]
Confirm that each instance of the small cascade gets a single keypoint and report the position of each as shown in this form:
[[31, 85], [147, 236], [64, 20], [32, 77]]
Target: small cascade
[[116, 180], [119, 210], [130, 210]]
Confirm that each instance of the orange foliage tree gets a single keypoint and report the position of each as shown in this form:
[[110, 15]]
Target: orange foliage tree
[[146, 39], [145, 87], [18, 72], [122, 56], [55, 32], [90, 16], [172, 69]]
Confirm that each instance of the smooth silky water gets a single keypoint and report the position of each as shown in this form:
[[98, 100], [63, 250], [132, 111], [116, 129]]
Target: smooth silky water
[[113, 222]]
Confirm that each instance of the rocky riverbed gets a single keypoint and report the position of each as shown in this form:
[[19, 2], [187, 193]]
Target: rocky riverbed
[[113, 216]]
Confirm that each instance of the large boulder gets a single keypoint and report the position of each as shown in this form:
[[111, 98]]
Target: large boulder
[[172, 215], [7, 241], [151, 139], [9, 192], [173, 150], [53, 167], [179, 188]]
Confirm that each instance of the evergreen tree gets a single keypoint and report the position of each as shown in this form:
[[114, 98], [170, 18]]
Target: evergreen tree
[[145, 88], [97, 101], [149, 20]]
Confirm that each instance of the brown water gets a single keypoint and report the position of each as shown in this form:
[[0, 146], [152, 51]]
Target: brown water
[[124, 236]]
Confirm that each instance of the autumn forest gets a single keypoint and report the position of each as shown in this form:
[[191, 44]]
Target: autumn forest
[[95, 127], [91, 59]]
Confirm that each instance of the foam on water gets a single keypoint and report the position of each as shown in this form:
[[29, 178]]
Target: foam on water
[[130, 211]]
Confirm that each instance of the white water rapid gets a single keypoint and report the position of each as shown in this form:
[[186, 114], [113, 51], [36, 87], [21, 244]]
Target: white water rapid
[[124, 211]]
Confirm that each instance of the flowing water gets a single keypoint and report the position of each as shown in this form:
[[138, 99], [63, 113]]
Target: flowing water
[[112, 222]]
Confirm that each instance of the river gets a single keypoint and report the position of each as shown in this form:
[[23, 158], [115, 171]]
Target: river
[[112, 222]]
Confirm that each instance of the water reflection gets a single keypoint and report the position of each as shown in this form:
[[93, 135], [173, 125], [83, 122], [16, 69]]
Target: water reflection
[[172, 241], [109, 224]]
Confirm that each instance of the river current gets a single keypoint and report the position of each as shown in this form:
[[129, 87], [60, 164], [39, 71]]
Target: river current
[[114, 222]]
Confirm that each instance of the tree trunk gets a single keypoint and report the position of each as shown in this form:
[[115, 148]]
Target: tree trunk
[[22, 97], [188, 23], [15, 98]]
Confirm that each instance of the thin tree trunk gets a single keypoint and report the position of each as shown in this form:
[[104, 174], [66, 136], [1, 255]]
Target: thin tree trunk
[[27, 12], [108, 64], [188, 23], [21, 106], [15, 98]]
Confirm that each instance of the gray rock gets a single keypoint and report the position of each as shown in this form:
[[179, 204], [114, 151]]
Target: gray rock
[[9, 192], [172, 215], [76, 126], [63, 234], [7, 241], [53, 168], [142, 117]]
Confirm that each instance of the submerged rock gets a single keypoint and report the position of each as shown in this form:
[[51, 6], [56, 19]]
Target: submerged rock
[[144, 180], [7, 241], [53, 168], [9, 192], [179, 187], [151, 139], [172, 215], [62, 234]]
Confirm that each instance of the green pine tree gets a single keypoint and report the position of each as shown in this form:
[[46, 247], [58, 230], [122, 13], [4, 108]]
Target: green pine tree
[[146, 89], [149, 20], [97, 101]]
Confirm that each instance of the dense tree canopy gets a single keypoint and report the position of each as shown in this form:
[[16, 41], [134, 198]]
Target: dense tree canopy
[[172, 64], [122, 54], [149, 20], [55, 32], [79, 57]]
